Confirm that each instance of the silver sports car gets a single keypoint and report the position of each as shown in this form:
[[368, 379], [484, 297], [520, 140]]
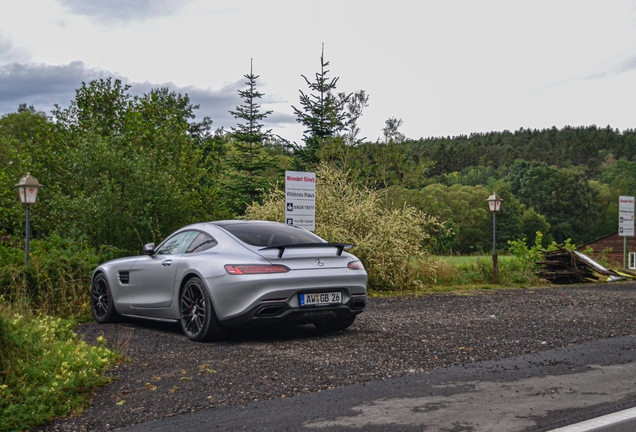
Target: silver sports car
[[217, 275]]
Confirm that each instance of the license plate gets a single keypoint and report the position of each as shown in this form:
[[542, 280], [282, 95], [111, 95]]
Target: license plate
[[320, 298]]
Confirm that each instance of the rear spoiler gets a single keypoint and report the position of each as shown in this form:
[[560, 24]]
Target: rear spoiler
[[281, 248]]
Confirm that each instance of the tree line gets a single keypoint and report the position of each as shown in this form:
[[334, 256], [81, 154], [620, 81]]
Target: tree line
[[123, 170]]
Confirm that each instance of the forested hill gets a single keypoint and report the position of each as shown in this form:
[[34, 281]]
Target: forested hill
[[564, 183], [588, 146]]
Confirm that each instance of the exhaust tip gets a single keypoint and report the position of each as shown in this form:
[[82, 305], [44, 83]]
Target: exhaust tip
[[269, 311], [358, 304]]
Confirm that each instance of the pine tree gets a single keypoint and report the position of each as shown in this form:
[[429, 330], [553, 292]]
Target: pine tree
[[250, 159], [322, 112]]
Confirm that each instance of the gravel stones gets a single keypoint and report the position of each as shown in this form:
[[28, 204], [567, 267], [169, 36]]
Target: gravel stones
[[168, 375]]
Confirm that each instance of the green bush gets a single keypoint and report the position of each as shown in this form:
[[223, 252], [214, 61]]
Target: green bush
[[57, 278], [48, 374], [386, 240], [529, 256], [7, 346]]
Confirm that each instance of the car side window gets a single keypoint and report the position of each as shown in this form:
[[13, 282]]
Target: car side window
[[177, 244], [201, 243]]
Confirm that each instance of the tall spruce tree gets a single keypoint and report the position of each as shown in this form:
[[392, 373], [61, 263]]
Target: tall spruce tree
[[250, 159], [322, 113]]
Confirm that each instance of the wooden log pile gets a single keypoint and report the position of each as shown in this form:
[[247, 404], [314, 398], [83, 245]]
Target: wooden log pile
[[564, 266]]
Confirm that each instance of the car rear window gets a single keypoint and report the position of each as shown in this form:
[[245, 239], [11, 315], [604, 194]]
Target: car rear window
[[270, 234]]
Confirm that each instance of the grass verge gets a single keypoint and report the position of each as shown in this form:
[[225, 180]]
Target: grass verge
[[465, 274], [448, 273]]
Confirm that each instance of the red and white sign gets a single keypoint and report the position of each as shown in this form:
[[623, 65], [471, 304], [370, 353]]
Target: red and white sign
[[300, 199], [626, 216]]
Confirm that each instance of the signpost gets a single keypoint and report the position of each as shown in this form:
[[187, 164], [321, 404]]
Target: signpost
[[300, 199], [625, 221]]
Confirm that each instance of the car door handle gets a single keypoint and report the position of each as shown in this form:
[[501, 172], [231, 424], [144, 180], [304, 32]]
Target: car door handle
[[166, 263]]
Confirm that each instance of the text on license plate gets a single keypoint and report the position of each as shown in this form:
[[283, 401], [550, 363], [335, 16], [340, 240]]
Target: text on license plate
[[320, 298]]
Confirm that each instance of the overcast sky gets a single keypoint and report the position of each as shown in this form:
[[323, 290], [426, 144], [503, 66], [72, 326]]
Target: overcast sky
[[444, 67]]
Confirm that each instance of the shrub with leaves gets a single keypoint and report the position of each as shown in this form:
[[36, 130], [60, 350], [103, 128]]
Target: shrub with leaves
[[529, 256], [47, 371], [57, 278], [386, 240]]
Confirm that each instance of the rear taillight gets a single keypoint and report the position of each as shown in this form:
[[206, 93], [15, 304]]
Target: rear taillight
[[355, 265], [244, 269]]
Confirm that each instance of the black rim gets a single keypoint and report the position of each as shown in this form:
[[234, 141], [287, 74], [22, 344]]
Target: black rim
[[100, 298], [192, 309]]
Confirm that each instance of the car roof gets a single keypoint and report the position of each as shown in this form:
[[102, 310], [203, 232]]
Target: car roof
[[214, 226], [223, 223]]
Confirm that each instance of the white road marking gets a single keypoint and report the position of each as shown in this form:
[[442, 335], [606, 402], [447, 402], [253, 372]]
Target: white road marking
[[598, 422]]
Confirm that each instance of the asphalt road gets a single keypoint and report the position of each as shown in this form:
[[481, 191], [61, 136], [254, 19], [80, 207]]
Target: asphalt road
[[534, 392]]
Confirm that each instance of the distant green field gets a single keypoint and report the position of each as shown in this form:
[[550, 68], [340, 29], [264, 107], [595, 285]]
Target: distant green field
[[474, 272]]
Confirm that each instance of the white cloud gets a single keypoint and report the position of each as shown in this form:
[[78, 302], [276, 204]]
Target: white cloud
[[627, 65], [445, 68], [112, 11], [9, 52]]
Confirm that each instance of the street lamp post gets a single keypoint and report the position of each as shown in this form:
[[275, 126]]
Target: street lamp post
[[28, 190], [494, 202]]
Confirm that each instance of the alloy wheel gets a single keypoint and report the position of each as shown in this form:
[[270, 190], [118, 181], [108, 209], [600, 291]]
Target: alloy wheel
[[193, 309], [100, 297]]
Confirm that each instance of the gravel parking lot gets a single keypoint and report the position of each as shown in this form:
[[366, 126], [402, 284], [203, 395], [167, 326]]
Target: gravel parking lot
[[168, 375]]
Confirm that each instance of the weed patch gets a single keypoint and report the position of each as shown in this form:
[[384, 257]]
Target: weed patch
[[45, 370]]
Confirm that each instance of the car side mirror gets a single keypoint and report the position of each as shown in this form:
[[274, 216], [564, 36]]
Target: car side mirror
[[149, 249]]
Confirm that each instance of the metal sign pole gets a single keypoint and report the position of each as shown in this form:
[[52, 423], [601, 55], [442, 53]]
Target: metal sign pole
[[495, 259]]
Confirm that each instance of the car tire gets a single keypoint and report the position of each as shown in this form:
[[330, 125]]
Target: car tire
[[102, 304], [198, 318], [335, 325]]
